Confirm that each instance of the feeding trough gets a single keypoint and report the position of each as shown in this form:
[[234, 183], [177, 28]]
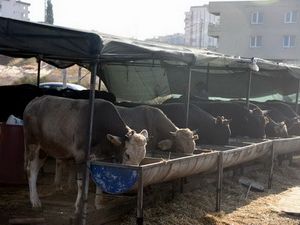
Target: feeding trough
[[112, 178]]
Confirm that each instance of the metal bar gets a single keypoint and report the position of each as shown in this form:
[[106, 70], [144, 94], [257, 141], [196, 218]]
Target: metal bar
[[85, 186], [271, 167], [207, 78], [188, 98], [139, 213], [249, 89], [220, 181], [297, 97], [39, 72]]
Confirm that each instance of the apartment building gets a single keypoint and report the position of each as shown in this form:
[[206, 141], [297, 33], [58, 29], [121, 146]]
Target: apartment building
[[197, 21], [14, 9], [266, 29]]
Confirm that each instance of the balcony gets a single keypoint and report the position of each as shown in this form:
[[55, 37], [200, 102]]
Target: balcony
[[214, 30]]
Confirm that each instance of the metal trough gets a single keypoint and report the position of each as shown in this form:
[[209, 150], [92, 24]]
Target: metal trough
[[286, 145], [162, 169]]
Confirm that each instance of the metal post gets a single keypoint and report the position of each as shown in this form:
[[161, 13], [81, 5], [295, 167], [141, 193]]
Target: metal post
[[39, 72], [85, 186], [139, 213], [220, 181], [207, 78], [188, 98], [297, 97], [249, 88], [64, 77], [100, 80], [271, 167], [79, 75]]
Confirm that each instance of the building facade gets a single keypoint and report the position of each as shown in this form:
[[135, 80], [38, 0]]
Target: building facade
[[265, 29], [173, 39], [197, 21], [14, 9]]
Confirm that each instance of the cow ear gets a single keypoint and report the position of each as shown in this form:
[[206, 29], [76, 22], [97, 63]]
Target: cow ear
[[173, 133], [165, 144], [115, 140], [266, 120], [144, 133], [250, 111], [226, 122], [282, 123], [195, 137]]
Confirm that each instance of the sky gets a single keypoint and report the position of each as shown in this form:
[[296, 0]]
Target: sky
[[139, 19]]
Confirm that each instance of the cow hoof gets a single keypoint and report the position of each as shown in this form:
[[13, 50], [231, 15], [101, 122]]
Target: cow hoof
[[36, 203]]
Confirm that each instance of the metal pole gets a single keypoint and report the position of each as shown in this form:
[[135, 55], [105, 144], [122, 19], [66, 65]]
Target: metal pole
[[100, 79], [139, 213], [297, 97], [39, 72], [207, 78], [85, 185], [188, 98], [271, 167], [249, 89], [220, 181], [64, 76], [79, 75]]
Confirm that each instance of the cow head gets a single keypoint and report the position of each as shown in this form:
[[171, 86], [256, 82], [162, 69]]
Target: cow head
[[256, 121], [134, 146], [222, 131], [182, 140], [293, 126], [274, 129]]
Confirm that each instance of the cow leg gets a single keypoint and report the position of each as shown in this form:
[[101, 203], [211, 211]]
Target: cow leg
[[98, 198], [34, 163], [79, 186], [58, 174], [71, 174]]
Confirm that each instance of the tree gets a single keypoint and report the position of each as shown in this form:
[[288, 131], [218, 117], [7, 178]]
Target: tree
[[49, 13]]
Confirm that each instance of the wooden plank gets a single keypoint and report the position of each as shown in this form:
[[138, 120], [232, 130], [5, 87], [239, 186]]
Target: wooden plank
[[289, 203]]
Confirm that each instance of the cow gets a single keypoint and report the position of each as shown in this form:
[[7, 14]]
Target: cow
[[58, 127], [278, 115], [283, 107], [273, 128], [163, 132], [84, 94], [14, 98], [244, 122], [212, 130]]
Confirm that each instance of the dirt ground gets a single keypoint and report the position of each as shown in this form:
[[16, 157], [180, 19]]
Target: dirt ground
[[197, 207], [190, 208]]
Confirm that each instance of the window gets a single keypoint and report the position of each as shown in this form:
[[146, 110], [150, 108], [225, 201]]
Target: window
[[256, 41], [290, 17], [289, 41], [257, 18]]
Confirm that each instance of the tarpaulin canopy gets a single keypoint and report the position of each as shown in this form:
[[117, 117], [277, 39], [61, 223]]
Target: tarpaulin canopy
[[55, 45], [159, 69]]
